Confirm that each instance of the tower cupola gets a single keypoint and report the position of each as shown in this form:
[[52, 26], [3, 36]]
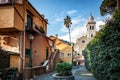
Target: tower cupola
[[91, 18]]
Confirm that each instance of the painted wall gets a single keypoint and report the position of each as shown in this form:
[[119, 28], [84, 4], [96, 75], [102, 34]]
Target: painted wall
[[64, 48], [13, 17], [19, 12], [15, 61], [39, 45], [67, 50], [6, 21], [38, 19]]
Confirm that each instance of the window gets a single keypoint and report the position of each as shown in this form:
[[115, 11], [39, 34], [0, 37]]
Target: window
[[83, 41], [92, 27], [27, 52], [62, 55], [4, 60], [29, 21], [47, 53], [91, 35], [69, 55], [4, 1]]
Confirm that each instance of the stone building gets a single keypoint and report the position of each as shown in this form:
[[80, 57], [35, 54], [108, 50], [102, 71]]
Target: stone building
[[84, 40]]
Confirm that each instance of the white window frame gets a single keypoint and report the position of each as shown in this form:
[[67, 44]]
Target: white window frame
[[68, 54], [61, 55]]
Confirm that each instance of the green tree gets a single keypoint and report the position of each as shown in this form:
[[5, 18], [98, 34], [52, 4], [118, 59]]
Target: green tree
[[118, 4], [102, 54], [108, 6]]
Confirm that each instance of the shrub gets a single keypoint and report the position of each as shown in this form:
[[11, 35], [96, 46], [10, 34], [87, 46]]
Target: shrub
[[102, 54], [64, 69]]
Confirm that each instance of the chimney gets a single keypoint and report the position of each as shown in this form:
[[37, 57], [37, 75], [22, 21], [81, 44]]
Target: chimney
[[56, 35]]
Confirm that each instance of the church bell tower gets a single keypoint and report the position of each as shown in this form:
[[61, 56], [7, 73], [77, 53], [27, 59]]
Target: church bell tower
[[91, 27]]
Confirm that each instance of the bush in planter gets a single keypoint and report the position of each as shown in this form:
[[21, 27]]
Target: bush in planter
[[64, 69]]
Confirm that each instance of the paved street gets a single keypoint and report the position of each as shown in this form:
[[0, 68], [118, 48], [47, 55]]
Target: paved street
[[79, 73]]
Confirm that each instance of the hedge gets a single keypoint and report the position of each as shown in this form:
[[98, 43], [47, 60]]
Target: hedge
[[102, 54]]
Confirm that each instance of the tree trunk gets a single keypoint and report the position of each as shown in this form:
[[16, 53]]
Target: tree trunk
[[118, 4], [69, 35]]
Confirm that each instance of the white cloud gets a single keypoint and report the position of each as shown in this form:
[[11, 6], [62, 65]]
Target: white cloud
[[98, 23], [76, 32], [59, 19], [78, 20], [78, 27], [75, 21], [72, 12], [64, 29], [79, 30]]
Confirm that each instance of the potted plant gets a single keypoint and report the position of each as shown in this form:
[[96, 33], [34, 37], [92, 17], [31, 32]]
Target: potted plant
[[64, 71]]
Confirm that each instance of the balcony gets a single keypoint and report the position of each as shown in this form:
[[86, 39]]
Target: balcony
[[32, 27], [10, 20]]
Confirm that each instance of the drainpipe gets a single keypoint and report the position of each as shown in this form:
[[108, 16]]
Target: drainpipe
[[24, 33], [19, 41]]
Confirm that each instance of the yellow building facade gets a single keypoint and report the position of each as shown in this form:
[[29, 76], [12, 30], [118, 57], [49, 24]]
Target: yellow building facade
[[66, 50]]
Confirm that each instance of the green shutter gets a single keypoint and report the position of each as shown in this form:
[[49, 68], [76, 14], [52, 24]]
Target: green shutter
[[27, 52]]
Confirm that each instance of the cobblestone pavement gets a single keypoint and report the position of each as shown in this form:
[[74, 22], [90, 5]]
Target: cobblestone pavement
[[80, 73]]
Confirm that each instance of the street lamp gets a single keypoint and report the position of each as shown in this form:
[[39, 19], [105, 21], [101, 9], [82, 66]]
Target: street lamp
[[31, 37]]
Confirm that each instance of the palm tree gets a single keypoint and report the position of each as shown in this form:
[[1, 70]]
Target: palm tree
[[67, 23]]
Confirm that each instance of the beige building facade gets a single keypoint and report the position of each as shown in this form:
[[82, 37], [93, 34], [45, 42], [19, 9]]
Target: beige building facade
[[82, 42]]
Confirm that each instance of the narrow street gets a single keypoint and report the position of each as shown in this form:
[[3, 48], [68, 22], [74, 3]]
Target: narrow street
[[80, 73]]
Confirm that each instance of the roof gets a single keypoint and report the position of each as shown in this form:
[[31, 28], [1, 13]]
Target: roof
[[37, 12], [91, 18], [60, 40]]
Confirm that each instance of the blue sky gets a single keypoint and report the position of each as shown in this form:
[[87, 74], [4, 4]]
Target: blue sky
[[79, 11]]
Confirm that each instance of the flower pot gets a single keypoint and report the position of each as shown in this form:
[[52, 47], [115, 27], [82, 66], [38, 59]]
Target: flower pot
[[55, 77]]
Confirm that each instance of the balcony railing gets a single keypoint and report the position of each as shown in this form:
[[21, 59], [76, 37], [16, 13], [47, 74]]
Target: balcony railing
[[34, 28], [10, 1]]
